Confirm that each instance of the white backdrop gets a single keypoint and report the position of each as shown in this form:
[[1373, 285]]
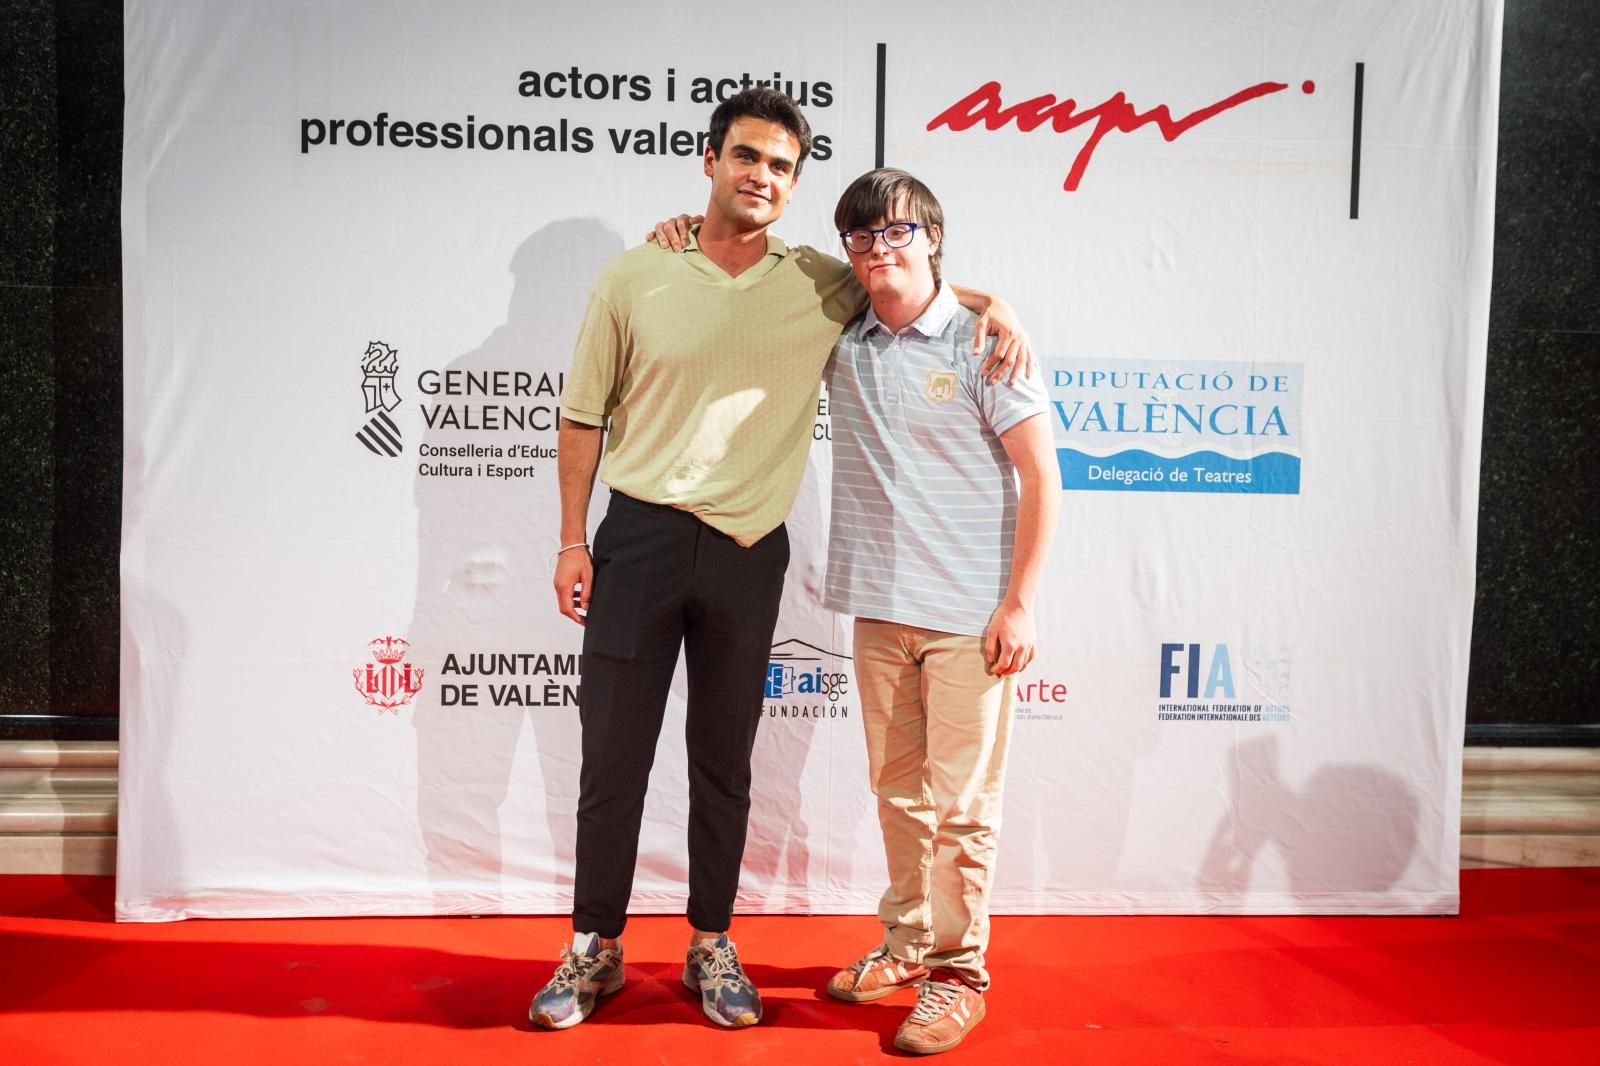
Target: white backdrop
[[345, 686]]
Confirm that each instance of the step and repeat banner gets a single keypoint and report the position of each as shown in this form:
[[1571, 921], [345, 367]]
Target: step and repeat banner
[[1251, 242]]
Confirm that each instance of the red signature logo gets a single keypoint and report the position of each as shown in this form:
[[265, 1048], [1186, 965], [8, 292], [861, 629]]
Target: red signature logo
[[984, 105]]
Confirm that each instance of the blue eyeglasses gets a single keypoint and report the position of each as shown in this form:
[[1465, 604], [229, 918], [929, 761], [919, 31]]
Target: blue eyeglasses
[[895, 235]]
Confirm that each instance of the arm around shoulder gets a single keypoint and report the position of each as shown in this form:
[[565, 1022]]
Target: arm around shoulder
[[1012, 356]]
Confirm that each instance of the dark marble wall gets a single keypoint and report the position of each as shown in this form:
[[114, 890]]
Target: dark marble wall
[[1536, 641], [60, 365], [1536, 629]]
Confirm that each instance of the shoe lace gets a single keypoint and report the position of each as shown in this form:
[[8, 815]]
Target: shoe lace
[[573, 968], [878, 956], [934, 1000], [721, 964]]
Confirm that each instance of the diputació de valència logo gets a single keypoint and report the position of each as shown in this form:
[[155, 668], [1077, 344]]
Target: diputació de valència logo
[[379, 365], [1175, 425]]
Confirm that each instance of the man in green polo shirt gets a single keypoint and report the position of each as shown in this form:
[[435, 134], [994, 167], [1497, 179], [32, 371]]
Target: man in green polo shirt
[[707, 367]]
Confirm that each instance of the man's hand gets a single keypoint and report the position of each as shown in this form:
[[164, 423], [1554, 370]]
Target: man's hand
[[574, 577], [674, 232], [1012, 350], [1010, 639]]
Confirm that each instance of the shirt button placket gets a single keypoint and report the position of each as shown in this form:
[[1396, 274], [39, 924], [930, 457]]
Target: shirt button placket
[[894, 371]]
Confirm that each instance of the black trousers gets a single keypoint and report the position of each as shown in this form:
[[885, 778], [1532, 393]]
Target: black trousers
[[664, 579]]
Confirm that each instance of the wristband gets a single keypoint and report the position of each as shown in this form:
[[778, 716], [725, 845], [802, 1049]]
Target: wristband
[[581, 544]]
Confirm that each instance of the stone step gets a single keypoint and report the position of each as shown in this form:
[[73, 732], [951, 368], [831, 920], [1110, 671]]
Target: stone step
[[49, 781], [58, 814], [58, 753], [1530, 814], [55, 853]]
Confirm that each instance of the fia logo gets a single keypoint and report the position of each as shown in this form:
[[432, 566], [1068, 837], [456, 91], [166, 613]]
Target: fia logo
[[1218, 674]]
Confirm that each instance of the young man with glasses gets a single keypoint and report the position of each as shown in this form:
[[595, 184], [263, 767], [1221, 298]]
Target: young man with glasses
[[706, 366], [938, 555]]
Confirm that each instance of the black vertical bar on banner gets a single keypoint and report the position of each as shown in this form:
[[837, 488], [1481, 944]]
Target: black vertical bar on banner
[[1355, 148], [883, 63]]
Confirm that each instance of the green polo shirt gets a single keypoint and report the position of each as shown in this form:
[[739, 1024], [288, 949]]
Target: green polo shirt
[[710, 382]]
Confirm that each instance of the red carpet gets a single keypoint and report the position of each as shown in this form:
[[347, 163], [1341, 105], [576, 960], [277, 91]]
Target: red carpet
[[1515, 979]]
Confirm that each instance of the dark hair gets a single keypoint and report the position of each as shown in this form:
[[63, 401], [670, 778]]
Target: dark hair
[[768, 105], [877, 193]]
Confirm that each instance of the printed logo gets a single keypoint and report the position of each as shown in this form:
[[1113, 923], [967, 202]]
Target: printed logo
[[487, 423], [389, 682], [985, 104], [378, 367], [1203, 678], [822, 428], [1039, 700], [941, 385], [1167, 425], [808, 681], [509, 679]]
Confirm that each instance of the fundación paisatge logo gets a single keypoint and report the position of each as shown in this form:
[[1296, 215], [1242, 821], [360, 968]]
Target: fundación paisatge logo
[[388, 682], [379, 366], [806, 681]]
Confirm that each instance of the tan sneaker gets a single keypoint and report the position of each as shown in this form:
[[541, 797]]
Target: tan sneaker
[[947, 1010], [875, 975]]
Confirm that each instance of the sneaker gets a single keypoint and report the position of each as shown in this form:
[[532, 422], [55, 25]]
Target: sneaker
[[586, 973], [875, 975], [726, 994], [947, 1010]]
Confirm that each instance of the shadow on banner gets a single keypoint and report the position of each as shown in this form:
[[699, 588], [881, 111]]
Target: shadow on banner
[[483, 583], [1349, 828]]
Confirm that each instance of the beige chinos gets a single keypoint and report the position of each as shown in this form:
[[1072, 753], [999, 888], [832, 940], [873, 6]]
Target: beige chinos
[[925, 691]]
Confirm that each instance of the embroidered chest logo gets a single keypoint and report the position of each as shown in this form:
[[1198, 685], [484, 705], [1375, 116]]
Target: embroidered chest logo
[[941, 386]]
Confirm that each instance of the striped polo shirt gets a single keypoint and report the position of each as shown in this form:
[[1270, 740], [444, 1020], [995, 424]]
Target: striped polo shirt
[[924, 496]]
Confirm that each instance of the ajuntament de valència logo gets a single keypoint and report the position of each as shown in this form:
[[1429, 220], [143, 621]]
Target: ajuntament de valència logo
[[379, 366], [521, 678], [388, 682]]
